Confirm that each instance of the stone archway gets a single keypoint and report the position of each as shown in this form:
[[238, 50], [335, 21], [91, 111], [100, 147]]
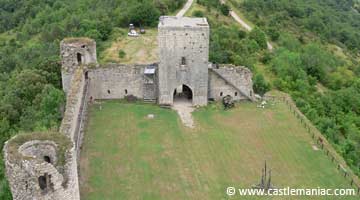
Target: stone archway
[[183, 93]]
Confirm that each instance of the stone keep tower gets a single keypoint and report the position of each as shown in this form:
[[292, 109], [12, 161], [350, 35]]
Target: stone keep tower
[[184, 52], [75, 52]]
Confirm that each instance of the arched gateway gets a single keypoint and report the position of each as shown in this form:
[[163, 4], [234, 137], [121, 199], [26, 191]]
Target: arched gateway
[[183, 93]]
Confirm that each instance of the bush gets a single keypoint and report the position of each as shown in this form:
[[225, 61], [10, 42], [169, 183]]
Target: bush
[[225, 10], [198, 13], [260, 85], [242, 34], [273, 33], [259, 36], [122, 53]]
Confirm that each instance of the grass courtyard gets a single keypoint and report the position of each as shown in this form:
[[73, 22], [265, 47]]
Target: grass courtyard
[[128, 156]]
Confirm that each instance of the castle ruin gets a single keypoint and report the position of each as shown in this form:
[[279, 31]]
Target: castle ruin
[[45, 165]]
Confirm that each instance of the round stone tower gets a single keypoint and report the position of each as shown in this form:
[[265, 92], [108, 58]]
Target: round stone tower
[[41, 166], [74, 53]]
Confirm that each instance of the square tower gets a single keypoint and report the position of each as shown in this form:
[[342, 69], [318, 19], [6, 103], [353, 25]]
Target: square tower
[[184, 54]]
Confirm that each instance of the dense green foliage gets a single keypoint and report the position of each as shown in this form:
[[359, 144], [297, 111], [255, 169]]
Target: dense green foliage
[[30, 32], [324, 83], [334, 21]]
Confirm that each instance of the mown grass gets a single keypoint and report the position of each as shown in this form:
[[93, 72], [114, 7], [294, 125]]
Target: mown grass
[[128, 156]]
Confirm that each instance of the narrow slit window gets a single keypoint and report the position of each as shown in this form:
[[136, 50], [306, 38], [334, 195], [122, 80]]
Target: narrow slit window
[[236, 94], [221, 94], [79, 58], [183, 61], [126, 91]]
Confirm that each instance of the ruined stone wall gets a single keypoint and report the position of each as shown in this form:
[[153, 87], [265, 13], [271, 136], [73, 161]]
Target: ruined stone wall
[[183, 42], [37, 161], [33, 177], [230, 80], [74, 102], [75, 52], [115, 81]]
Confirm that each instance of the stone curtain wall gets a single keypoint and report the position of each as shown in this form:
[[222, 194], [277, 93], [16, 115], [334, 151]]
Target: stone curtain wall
[[115, 81], [230, 80], [72, 116]]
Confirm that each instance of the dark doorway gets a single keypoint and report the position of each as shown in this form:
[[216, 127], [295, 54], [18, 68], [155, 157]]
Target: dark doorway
[[78, 55], [183, 92], [86, 75], [43, 182], [47, 159]]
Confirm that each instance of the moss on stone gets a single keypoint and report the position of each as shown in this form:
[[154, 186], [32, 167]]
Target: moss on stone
[[63, 145]]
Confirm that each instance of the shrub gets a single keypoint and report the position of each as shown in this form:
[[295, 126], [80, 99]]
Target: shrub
[[198, 13], [224, 9], [260, 85], [259, 36], [122, 53]]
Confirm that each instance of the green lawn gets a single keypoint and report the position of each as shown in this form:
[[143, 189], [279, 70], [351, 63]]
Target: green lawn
[[128, 156]]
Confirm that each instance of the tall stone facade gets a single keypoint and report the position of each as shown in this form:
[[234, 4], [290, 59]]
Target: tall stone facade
[[183, 52]]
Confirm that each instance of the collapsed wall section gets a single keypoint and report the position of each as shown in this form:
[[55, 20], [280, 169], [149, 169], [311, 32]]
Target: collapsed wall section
[[230, 80]]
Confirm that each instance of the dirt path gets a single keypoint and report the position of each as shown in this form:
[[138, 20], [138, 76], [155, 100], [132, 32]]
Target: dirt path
[[237, 18], [184, 108], [186, 7]]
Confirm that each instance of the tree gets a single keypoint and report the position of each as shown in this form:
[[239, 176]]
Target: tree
[[260, 85], [225, 9], [259, 36]]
